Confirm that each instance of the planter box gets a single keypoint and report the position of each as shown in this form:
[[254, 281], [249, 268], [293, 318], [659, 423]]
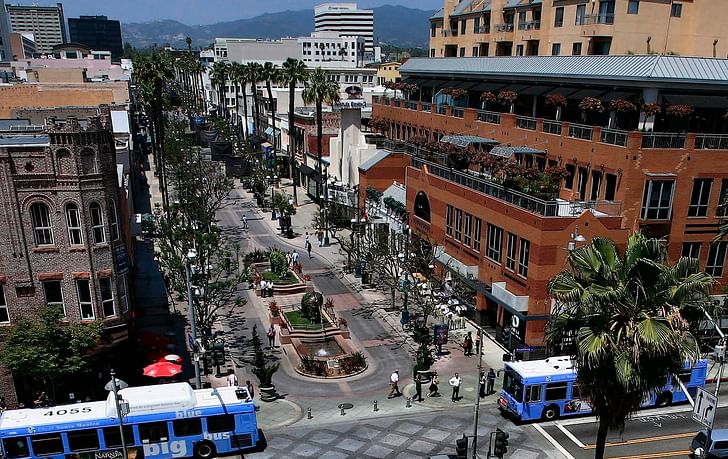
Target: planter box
[[284, 336], [275, 320]]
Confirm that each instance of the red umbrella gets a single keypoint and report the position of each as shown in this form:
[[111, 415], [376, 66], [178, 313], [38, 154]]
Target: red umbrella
[[162, 369]]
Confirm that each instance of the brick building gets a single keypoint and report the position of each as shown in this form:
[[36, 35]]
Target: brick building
[[63, 234], [625, 168]]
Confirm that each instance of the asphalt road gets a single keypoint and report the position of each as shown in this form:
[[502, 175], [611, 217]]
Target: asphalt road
[[650, 434]]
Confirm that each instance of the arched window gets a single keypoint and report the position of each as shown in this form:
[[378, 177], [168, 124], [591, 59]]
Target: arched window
[[422, 206], [88, 161], [64, 162], [41, 220], [97, 222], [113, 221], [73, 222]]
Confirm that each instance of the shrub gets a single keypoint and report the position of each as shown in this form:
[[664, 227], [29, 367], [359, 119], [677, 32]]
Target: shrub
[[278, 263], [488, 96], [507, 97], [310, 306], [275, 311], [343, 322]]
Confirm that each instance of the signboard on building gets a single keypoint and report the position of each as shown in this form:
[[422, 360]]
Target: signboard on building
[[441, 334], [122, 261]]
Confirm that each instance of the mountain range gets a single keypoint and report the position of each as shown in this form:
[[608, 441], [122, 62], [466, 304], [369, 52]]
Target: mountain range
[[393, 25]]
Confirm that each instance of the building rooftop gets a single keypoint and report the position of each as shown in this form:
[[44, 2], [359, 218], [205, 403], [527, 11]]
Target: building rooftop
[[371, 162], [439, 15], [471, 6], [26, 140], [467, 140], [644, 68]]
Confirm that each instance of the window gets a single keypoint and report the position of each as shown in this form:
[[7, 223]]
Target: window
[[556, 391], [41, 220], [533, 393], [657, 200], [476, 234], [448, 220], [495, 241], [458, 224], [83, 289], [519, 50], [16, 447], [722, 209], [700, 197], [580, 13], [432, 52], [676, 10], [107, 297], [112, 437], [463, 26], [221, 423], [633, 7], [153, 432], [73, 222], [576, 49], [559, 17], [716, 259], [521, 19], [187, 427], [476, 24], [4, 314], [571, 170], [523, 258], [556, 49], [475, 51], [581, 184], [610, 189], [83, 440], [511, 252], [596, 185], [433, 30], [462, 52], [54, 294], [47, 444], [97, 222], [691, 249], [123, 295], [467, 236], [113, 221]]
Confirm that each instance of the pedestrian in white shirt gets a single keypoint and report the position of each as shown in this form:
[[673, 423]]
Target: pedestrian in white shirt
[[456, 381], [232, 380], [394, 384]]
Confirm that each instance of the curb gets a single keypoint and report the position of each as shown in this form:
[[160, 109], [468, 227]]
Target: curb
[[714, 380]]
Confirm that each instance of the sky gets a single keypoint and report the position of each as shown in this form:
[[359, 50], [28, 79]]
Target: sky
[[193, 12]]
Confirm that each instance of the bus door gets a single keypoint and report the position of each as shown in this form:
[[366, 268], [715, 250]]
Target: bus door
[[532, 404]]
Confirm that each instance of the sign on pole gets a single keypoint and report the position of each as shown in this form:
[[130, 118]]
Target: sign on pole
[[704, 408]]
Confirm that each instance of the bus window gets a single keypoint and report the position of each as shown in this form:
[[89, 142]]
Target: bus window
[[187, 427], [222, 423], [153, 432], [112, 438], [685, 376], [513, 386], [556, 391], [47, 444], [82, 440], [16, 447], [533, 393]]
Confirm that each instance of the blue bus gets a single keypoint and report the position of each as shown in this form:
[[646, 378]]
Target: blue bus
[[547, 389], [163, 421]]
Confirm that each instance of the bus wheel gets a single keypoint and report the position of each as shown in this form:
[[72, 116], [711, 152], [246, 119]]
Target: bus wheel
[[664, 399], [550, 413], [205, 450]]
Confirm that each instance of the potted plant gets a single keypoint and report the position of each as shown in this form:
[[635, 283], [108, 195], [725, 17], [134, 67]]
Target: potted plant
[[617, 106], [590, 105], [557, 101], [487, 97], [679, 110], [262, 370], [275, 312], [649, 110], [508, 99]]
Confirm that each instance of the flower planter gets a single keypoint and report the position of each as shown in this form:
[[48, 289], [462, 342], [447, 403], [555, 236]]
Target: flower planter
[[425, 376], [268, 393], [275, 320]]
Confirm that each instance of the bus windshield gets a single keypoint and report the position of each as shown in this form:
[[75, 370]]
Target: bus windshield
[[513, 385]]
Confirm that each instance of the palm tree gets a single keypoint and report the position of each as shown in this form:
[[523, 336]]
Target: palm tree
[[270, 73], [235, 72], [293, 73], [255, 72], [627, 320], [218, 77], [188, 40], [319, 89]]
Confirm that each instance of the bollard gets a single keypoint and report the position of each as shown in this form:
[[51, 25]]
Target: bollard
[[308, 413], [409, 402], [342, 410], [376, 408]]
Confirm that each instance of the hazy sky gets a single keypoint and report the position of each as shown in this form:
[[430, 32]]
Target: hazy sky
[[200, 11]]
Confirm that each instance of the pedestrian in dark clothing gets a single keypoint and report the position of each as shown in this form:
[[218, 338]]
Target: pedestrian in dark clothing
[[249, 386], [468, 344], [271, 336], [482, 385], [418, 388], [434, 390], [491, 381], [320, 236], [477, 344], [308, 248]]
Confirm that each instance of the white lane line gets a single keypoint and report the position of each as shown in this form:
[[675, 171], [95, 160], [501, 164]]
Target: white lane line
[[571, 436], [682, 408], [553, 441]]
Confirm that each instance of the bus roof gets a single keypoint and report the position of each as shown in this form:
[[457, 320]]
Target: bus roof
[[144, 400], [553, 366]]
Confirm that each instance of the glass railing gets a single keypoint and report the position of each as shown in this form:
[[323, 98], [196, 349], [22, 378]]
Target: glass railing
[[662, 140], [482, 29], [504, 27], [441, 110], [580, 131], [458, 112], [711, 142], [526, 122], [410, 105], [551, 127], [426, 107], [489, 117], [614, 137], [601, 18], [530, 25]]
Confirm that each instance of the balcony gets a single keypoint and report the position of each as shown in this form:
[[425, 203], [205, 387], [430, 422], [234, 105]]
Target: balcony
[[546, 208], [426, 107], [504, 27], [397, 102], [410, 105], [489, 117], [526, 122], [458, 112], [441, 110], [450, 33], [663, 140], [551, 127], [603, 18], [614, 137], [530, 25], [580, 131], [482, 29], [711, 142]]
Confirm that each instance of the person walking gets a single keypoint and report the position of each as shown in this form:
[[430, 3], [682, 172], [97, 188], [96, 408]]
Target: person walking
[[308, 248], [305, 243], [294, 257], [394, 384], [232, 380], [456, 381], [320, 236], [245, 222], [434, 390], [491, 381], [468, 344], [477, 344], [271, 336], [482, 385], [418, 388], [249, 386]]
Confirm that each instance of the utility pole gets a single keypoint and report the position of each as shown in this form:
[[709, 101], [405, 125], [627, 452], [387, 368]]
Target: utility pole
[[477, 398], [191, 255]]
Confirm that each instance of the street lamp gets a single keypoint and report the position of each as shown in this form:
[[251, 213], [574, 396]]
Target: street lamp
[[404, 320], [575, 237], [191, 256], [122, 406]]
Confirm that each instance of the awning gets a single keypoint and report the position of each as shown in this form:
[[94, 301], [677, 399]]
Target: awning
[[310, 172], [268, 131], [281, 154], [517, 88], [431, 84], [534, 90], [508, 152], [463, 84], [466, 140]]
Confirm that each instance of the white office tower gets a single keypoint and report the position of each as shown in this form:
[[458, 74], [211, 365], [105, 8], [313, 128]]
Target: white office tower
[[346, 19], [5, 53]]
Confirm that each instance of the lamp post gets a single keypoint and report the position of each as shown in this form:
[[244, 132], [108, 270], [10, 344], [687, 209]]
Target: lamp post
[[575, 237], [191, 256], [328, 199], [122, 407]]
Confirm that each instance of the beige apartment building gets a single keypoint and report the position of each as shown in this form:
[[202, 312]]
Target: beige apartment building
[[468, 28]]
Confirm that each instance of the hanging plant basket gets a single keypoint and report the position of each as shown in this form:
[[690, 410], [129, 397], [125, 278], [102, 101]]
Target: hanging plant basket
[[591, 104], [556, 100], [679, 110], [622, 106]]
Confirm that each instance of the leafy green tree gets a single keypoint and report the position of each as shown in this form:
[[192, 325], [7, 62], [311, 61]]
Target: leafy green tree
[[261, 369], [45, 350], [278, 263], [293, 73], [626, 318]]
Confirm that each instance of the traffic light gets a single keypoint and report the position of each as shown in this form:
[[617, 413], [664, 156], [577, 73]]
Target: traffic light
[[208, 361], [218, 353], [461, 447], [500, 446]]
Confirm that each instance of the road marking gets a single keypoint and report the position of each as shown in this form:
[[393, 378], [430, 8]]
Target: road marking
[[571, 436], [553, 441], [655, 455], [635, 441]]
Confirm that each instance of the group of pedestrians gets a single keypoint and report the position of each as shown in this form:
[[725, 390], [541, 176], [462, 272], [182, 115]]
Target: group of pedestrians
[[487, 383]]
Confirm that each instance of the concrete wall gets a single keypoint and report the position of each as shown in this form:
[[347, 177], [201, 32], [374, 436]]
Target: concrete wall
[[61, 95]]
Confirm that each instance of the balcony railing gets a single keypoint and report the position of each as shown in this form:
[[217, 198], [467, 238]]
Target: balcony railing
[[602, 18], [489, 117], [504, 27], [614, 137], [551, 127], [662, 140], [580, 131], [526, 122], [458, 112], [396, 102], [530, 25], [410, 105], [545, 208], [426, 107], [386, 101], [711, 142], [483, 29], [441, 110], [450, 33]]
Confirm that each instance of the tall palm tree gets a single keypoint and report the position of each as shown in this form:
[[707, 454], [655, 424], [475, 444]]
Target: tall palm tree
[[319, 89], [293, 73], [270, 73], [218, 78], [235, 71], [627, 320], [255, 72]]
